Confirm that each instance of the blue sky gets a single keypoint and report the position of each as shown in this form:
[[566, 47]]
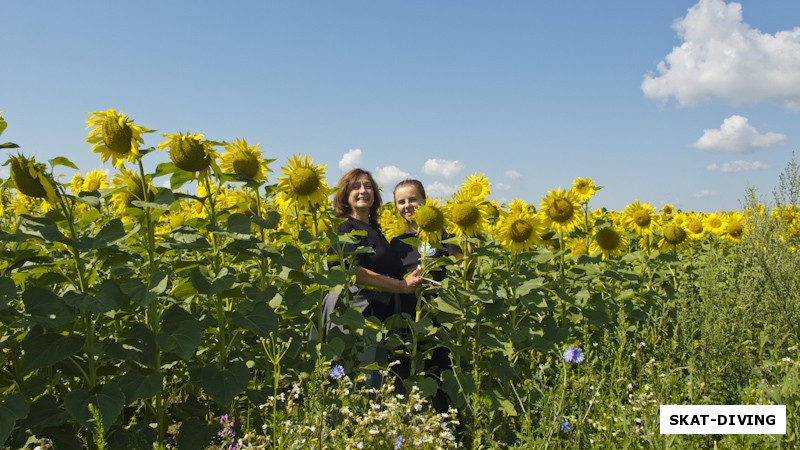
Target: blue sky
[[682, 102]]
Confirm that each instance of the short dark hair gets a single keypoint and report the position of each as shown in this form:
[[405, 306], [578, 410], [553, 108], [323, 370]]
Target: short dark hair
[[342, 206]]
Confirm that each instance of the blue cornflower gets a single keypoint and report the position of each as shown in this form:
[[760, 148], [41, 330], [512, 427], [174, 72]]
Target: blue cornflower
[[398, 442], [337, 372], [565, 426], [573, 355]]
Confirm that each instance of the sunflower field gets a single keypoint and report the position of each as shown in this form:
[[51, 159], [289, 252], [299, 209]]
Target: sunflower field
[[180, 307]]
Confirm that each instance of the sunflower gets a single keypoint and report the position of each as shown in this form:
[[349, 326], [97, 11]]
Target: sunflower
[[76, 183], [667, 210], [244, 160], [191, 152], [115, 136], [714, 224], [673, 237], [476, 187], [22, 204], [561, 211], [609, 241], [430, 221], [520, 207], [519, 232], [239, 201], [392, 224], [132, 191], [576, 246], [695, 226], [734, 227], [583, 188], [464, 216], [31, 178], [640, 218], [304, 182], [95, 180]]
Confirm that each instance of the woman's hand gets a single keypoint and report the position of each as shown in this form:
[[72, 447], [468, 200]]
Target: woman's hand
[[411, 282]]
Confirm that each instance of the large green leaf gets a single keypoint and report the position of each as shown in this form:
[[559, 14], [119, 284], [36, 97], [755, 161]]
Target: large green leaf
[[144, 295], [109, 400], [62, 161], [8, 291], [180, 333], [185, 238], [256, 317], [45, 413], [137, 385], [12, 409], [139, 347], [223, 385], [46, 308], [110, 233], [108, 298], [196, 433], [45, 349], [42, 228]]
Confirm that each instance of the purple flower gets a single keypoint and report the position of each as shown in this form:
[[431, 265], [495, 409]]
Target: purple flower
[[573, 355], [398, 442], [337, 372], [565, 426]]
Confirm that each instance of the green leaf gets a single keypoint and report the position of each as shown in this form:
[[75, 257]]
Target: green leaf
[[224, 385], [45, 349], [9, 145], [144, 295], [46, 308], [109, 400], [45, 413], [179, 178], [239, 224], [196, 433], [259, 318], [62, 161], [185, 238], [501, 403], [137, 386], [42, 228], [108, 298], [270, 222], [8, 291], [139, 347], [180, 333], [13, 408], [110, 233], [293, 257]]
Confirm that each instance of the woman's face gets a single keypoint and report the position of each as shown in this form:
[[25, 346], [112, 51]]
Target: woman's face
[[361, 194], [406, 199]]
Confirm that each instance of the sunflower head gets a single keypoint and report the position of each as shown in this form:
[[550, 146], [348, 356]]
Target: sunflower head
[[95, 179], [464, 216], [583, 188], [640, 218], [133, 190], [31, 178], [560, 210], [244, 160], [430, 221], [190, 152], [303, 183], [609, 241], [667, 210], [114, 136], [695, 227], [476, 187], [392, 224], [673, 236], [734, 227], [519, 232]]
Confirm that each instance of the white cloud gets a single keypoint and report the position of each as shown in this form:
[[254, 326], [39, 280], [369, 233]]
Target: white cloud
[[703, 193], [389, 176], [512, 174], [723, 58], [442, 168], [736, 136], [350, 160], [440, 190], [737, 166], [502, 186]]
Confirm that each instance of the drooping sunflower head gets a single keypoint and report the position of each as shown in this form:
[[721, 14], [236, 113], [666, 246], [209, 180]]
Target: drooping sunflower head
[[430, 220], [610, 241], [673, 237], [190, 152], [476, 187], [520, 232], [132, 190], [303, 182], [640, 218], [244, 160], [560, 210], [31, 178], [114, 136], [464, 216], [583, 188]]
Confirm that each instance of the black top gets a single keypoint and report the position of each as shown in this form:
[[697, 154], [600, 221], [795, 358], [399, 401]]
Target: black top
[[410, 255], [384, 261]]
